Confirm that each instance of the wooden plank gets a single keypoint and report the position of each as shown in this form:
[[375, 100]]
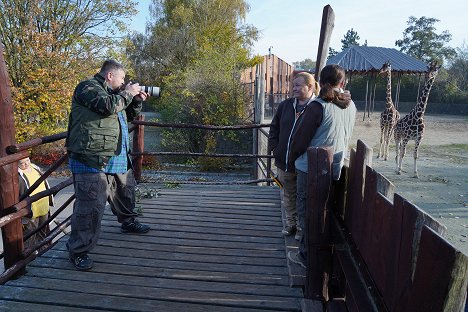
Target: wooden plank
[[275, 258], [326, 28], [353, 220], [19, 306], [176, 236], [211, 225], [186, 262], [336, 306], [358, 297], [439, 282], [317, 223], [121, 279], [309, 305], [211, 297], [412, 221], [218, 212], [177, 232], [9, 190], [381, 240], [200, 259], [95, 302]]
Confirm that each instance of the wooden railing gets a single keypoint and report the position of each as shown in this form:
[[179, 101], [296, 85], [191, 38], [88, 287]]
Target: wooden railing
[[139, 151], [372, 250], [15, 256]]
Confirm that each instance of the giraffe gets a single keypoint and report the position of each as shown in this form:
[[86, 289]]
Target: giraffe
[[411, 127], [389, 116]]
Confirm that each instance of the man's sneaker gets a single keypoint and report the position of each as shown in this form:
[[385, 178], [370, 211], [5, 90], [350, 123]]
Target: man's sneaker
[[288, 230], [296, 258], [134, 227], [82, 262], [298, 235]]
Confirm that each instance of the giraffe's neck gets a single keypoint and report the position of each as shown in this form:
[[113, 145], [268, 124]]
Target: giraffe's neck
[[420, 107], [389, 102]]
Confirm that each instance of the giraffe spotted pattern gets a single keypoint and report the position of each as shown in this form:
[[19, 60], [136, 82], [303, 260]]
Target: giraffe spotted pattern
[[411, 127]]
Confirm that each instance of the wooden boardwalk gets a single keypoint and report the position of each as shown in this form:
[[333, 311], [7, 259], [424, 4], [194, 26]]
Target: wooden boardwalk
[[211, 248]]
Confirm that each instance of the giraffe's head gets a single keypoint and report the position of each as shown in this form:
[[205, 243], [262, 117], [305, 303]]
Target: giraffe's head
[[432, 70], [386, 67]]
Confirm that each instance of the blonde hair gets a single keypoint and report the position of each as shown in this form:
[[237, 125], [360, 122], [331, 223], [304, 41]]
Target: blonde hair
[[310, 80]]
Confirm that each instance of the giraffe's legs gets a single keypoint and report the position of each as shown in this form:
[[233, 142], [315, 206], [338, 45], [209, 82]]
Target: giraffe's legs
[[382, 138], [388, 135], [397, 154], [416, 156], [402, 152]]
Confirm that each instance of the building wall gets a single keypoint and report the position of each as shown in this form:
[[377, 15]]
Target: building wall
[[278, 82]]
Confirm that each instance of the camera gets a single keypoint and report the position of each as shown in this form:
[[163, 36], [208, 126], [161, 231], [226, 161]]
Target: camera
[[152, 91]]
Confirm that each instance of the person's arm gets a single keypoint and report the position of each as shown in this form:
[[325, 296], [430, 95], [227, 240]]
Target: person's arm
[[305, 131], [100, 101], [273, 136], [134, 109]]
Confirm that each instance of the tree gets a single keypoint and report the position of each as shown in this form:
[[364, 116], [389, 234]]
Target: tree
[[332, 52], [49, 46], [350, 38], [452, 86], [306, 64], [195, 50], [421, 40]]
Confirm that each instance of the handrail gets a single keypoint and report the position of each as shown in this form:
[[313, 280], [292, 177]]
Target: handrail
[[197, 126], [20, 208], [52, 217], [12, 149], [12, 158], [34, 254], [201, 154]]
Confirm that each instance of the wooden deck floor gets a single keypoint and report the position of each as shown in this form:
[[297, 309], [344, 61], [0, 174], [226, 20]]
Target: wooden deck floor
[[211, 248]]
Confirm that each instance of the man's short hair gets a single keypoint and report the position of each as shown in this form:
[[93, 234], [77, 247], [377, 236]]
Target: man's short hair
[[110, 66]]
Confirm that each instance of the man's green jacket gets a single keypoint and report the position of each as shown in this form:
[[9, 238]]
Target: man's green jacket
[[94, 133]]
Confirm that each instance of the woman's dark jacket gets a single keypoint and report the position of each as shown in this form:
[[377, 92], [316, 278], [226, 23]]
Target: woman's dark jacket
[[280, 130]]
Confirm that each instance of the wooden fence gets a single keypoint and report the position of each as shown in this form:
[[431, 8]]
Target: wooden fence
[[372, 250]]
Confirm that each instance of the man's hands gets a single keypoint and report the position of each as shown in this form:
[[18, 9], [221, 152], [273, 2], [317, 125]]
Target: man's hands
[[135, 90]]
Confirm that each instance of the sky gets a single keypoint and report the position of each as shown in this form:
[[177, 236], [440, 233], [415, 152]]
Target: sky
[[292, 27]]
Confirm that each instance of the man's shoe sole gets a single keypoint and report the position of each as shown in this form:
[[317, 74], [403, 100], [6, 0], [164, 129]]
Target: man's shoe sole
[[131, 232]]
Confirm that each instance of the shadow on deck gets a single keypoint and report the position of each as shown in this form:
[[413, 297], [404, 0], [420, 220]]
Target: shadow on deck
[[211, 248]]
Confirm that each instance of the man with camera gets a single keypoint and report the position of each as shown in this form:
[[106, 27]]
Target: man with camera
[[98, 149]]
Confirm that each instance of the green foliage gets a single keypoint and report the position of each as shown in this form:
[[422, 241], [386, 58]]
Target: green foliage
[[195, 50], [49, 46], [350, 38], [306, 64], [458, 74], [332, 52], [421, 40]]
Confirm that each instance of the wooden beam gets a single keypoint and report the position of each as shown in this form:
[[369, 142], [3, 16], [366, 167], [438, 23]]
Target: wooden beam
[[12, 233], [328, 22]]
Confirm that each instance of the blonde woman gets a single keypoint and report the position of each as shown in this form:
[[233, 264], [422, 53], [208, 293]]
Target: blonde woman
[[305, 89]]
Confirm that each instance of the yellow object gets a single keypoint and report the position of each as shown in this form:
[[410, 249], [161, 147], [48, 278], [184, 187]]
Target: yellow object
[[41, 206], [276, 180]]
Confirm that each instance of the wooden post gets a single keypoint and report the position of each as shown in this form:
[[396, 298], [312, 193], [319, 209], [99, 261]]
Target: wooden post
[[138, 147], [317, 223], [328, 22], [13, 232], [259, 114]]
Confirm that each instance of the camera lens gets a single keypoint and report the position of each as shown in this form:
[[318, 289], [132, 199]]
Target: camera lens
[[152, 91]]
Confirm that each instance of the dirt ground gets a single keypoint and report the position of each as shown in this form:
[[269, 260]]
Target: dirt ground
[[442, 187]]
